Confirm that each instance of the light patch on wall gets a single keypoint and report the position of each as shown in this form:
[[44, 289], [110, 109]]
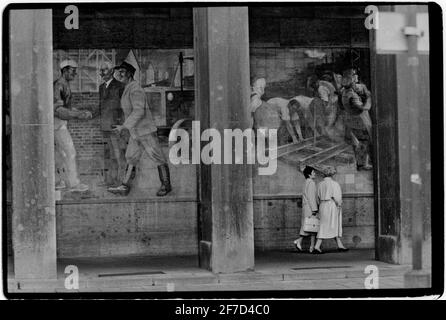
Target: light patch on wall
[[315, 54]]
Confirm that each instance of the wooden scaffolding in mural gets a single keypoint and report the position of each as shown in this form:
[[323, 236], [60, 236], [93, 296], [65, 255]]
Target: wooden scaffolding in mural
[[314, 152]]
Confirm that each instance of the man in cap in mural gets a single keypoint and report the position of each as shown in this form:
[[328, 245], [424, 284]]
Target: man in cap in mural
[[143, 132], [110, 112], [356, 99], [63, 111]]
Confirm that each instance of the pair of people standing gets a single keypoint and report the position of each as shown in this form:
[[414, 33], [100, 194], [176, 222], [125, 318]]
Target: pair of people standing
[[123, 107], [325, 200]]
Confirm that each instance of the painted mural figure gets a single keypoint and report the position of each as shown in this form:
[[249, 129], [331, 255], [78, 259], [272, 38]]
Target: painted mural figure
[[356, 99], [142, 129], [309, 207], [258, 90], [305, 107], [329, 196], [320, 112], [277, 114], [327, 93], [289, 125], [63, 112], [110, 113]]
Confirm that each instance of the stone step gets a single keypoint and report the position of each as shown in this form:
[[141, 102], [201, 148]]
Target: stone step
[[244, 279]]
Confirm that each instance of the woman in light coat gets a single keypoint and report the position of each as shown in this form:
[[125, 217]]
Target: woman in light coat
[[309, 207], [329, 196]]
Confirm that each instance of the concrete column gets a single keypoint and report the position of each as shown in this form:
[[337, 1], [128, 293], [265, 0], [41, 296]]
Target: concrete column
[[31, 85], [222, 84]]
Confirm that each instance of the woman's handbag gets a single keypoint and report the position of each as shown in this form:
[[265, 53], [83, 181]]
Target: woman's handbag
[[311, 224]]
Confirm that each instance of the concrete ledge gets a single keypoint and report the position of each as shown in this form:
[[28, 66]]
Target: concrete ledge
[[250, 276], [206, 281], [299, 196], [127, 200]]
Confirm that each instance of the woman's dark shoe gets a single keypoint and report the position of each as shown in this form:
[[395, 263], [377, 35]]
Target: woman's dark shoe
[[317, 251], [343, 249]]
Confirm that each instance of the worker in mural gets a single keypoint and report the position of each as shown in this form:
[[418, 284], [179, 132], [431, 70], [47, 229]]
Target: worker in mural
[[257, 91], [63, 112], [320, 112], [356, 99], [326, 91], [276, 113], [110, 113], [143, 132], [288, 114]]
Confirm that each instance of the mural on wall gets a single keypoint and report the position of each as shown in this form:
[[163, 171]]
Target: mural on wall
[[103, 150], [319, 105], [303, 90]]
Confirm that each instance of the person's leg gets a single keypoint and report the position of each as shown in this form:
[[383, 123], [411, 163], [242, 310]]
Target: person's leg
[[358, 148], [340, 244], [60, 177], [132, 155], [118, 157], [298, 243], [318, 244], [153, 149], [312, 241], [66, 149], [128, 174]]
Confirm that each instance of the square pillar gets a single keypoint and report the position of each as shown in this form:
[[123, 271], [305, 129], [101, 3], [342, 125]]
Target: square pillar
[[222, 82], [402, 122], [31, 93]]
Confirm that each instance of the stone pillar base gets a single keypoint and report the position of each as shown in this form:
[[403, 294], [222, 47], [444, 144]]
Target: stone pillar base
[[417, 279]]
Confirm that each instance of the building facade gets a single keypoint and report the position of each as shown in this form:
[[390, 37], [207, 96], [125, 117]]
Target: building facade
[[200, 64]]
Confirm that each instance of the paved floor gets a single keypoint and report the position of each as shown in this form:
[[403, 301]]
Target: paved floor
[[273, 271]]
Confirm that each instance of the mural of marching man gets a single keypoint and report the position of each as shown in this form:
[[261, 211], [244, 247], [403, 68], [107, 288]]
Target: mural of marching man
[[139, 123]]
